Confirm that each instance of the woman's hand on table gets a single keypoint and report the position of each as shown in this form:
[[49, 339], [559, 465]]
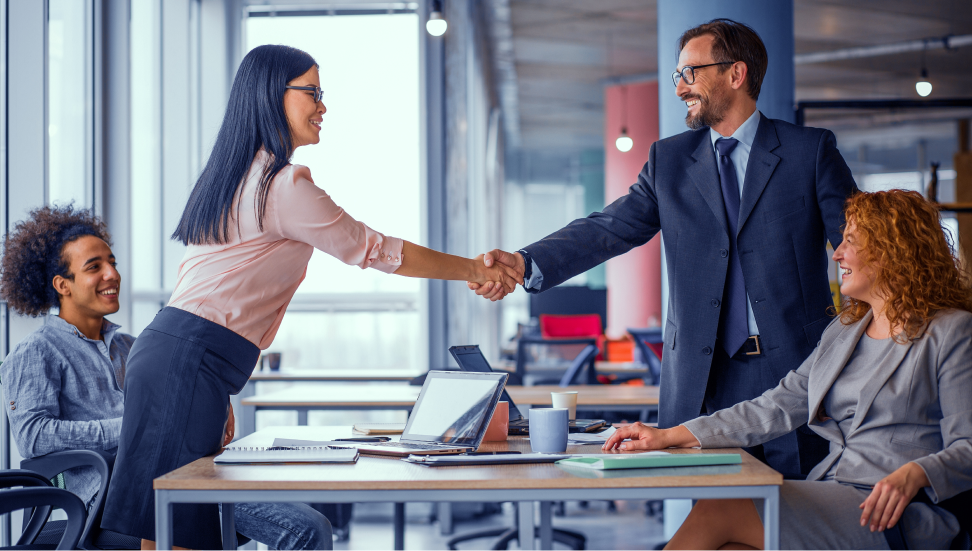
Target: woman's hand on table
[[891, 495], [643, 437], [230, 430]]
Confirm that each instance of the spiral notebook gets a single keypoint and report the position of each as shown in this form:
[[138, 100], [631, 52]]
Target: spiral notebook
[[288, 454]]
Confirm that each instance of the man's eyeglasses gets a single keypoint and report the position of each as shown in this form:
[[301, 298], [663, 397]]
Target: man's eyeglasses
[[317, 91], [688, 72]]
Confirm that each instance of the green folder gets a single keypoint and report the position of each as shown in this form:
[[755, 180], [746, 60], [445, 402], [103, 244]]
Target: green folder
[[648, 460]]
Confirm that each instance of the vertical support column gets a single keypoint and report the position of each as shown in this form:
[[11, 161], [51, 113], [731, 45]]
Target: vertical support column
[[546, 525], [963, 191], [228, 525], [773, 20], [399, 526], [434, 201], [634, 278], [163, 520], [116, 146], [771, 519]]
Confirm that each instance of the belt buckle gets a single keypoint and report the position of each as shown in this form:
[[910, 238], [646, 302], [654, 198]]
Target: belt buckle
[[758, 351]]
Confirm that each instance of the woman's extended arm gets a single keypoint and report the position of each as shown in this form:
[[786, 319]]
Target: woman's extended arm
[[418, 261]]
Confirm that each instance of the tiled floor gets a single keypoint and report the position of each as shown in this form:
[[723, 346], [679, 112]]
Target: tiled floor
[[626, 528]]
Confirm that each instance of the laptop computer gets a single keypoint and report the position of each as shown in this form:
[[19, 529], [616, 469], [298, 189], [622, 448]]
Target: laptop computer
[[450, 415], [470, 358]]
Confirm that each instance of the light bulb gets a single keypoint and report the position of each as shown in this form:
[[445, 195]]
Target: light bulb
[[923, 87], [436, 25], [624, 143]]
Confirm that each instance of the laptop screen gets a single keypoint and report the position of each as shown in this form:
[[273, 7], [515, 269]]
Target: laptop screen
[[454, 407], [470, 358]]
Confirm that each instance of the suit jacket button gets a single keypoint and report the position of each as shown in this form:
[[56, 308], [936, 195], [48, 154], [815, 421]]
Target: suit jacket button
[[715, 303], [707, 351], [724, 253]]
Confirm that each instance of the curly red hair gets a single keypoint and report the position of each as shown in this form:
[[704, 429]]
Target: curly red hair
[[901, 237]]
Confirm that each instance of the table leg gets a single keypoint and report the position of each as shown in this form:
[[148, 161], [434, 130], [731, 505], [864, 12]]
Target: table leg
[[444, 513], [248, 420], [302, 417], [771, 519], [399, 526], [546, 527], [163, 520], [228, 524], [526, 525]]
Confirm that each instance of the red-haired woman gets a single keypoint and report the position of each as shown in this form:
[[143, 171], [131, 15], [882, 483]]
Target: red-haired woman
[[889, 385]]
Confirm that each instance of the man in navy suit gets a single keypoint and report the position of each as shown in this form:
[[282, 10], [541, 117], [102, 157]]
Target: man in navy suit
[[745, 205]]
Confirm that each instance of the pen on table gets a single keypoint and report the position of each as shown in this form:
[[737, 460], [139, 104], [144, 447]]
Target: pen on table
[[363, 439], [491, 453]]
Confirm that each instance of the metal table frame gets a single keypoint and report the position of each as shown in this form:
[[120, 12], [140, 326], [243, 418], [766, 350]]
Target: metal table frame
[[530, 500]]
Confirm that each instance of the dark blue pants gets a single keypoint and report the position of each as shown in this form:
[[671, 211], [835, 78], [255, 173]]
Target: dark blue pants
[[795, 454], [180, 374]]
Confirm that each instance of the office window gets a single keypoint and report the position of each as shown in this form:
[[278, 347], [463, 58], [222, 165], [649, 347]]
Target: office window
[[69, 104], [368, 160]]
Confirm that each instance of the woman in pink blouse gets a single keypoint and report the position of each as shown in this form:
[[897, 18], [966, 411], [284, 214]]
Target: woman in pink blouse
[[250, 225]]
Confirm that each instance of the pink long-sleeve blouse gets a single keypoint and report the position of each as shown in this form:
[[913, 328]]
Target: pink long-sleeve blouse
[[246, 283]]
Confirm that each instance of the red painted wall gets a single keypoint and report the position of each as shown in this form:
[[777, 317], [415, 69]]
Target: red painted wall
[[633, 279]]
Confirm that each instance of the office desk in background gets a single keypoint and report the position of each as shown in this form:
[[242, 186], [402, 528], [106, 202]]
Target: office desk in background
[[392, 396], [375, 479]]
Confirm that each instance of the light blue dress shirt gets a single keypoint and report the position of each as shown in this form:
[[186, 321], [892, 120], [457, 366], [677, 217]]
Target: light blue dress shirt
[[64, 391], [745, 134]]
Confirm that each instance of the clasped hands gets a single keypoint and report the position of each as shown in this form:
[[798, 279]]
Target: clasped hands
[[511, 268], [881, 510]]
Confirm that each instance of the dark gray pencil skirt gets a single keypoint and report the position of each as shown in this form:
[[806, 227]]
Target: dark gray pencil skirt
[[181, 372]]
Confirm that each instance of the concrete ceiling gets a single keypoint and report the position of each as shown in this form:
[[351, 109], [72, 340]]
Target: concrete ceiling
[[564, 49]]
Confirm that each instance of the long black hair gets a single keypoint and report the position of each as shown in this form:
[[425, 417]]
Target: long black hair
[[254, 118]]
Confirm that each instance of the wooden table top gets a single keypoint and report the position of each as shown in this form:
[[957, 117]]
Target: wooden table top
[[354, 375], [398, 395], [379, 473], [603, 368]]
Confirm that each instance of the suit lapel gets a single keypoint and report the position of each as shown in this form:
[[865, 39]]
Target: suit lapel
[[705, 174], [833, 362], [883, 371], [760, 168]]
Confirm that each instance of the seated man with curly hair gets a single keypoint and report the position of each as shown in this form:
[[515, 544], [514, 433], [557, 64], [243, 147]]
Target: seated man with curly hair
[[63, 384]]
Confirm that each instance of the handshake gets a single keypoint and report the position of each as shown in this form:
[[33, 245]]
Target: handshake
[[498, 275]]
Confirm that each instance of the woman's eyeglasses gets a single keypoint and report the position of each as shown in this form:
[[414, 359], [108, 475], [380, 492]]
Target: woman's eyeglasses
[[317, 91]]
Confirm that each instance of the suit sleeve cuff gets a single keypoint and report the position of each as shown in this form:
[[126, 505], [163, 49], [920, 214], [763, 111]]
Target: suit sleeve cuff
[[533, 278]]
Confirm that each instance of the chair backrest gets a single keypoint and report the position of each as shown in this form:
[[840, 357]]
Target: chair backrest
[[649, 343], [39, 497], [585, 358], [581, 325], [570, 300]]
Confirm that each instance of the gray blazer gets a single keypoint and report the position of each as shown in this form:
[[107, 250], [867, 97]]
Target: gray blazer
[[917, 407]]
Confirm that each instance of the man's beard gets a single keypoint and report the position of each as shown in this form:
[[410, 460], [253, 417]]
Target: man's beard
[[711, 111]]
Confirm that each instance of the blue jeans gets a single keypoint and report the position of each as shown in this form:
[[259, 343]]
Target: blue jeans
[[284, 525]]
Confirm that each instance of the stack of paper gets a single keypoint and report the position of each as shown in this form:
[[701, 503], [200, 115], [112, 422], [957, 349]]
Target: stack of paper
[[649, 460]]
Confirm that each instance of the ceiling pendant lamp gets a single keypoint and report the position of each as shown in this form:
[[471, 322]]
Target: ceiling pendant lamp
[[624, 143], [436, 25]]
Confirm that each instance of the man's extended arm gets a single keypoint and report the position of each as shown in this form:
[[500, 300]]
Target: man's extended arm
[[626, 223]]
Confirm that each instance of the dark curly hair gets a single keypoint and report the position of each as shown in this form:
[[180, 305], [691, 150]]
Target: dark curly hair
[[32, 256], [901, 237]]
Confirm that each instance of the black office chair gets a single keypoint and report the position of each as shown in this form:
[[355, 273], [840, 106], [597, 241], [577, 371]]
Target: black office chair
[[35, 493], [92, 536], [574, 540], [642, 337]]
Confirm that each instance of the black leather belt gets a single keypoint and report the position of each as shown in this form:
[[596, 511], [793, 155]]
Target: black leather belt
[[752, 347]]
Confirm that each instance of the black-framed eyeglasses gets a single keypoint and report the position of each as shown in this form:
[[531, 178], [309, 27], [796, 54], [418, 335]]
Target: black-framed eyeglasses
[[317, 91], [688, 72]]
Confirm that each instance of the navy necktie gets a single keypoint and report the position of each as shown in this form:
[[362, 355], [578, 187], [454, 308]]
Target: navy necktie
[[733, 323]]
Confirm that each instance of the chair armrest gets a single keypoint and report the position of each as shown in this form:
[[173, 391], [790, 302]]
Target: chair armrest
[[565, 340], [52, 464], [39, 498]]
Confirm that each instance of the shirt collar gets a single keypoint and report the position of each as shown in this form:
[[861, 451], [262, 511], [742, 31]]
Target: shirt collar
[[746, 133], [107, 328]]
